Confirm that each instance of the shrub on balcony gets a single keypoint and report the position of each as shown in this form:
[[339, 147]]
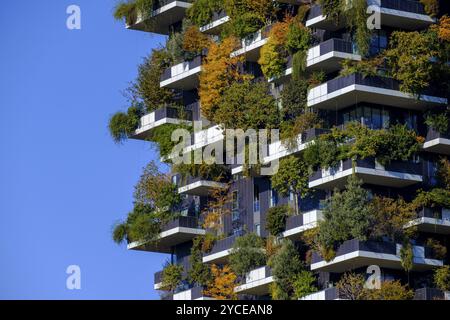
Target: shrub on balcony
[[220, 71], [389, 290], [223, 283], [199, 272], [247, 105], [438, 121], [292, 176], [347, 215], [304, 284], [433, 198], [442, 278], [444, 173], [162, 137], [172, 277], [122, 125], [248, 16], [438, 250], [202, 11], [276, 219], [351, 286], [156, 189], [247, 254], [130, 9], [410, 58], [389, 216], [431, 7], [286, 37], [286, 265], [365, 67], [149, 74]]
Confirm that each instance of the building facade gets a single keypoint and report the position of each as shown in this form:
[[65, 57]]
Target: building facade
[[371, 98]]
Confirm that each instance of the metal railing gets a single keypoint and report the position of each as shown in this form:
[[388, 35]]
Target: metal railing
[[192, 64]]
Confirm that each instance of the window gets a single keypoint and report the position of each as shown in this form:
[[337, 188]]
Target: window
[[255, 198], [235, 203], [258, 229], [273, 201], [378, 42], [372, 117]]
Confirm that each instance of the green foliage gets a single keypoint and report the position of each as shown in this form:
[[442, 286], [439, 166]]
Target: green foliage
[[129, 10], [201, 12], [247, 105], [199, 272], [156, 189], [304, 284], [431, 7], [390, 290], [357, 16], [162, 136], [442, 278], [292, 176], [410, 58], [365, 67], [438, 250], [436, 197], [248, 16], [156, 203], [351, 286], [276, 219], [322, 153], [247, 254], [346, 216], [171, 277], [294, 98], [286, 265], [407, 256], [438, 121], [122, 125]]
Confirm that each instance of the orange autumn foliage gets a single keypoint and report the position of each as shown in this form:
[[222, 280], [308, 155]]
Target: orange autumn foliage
[[219, 71], [194, 40], [444, 29], [223, 283]]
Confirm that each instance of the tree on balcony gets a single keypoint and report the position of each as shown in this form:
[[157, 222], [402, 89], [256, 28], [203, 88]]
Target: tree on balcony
[[122, 125], [199, 273], [130, 10], [442, 278], [276, 219], [286, 267], [390, 290], [202, 11], [247, 254], [156, 203], [223, 283], [172, 277]]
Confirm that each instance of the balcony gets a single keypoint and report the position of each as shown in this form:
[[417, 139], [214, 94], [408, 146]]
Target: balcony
[[165, 13], [355, 254], [201, 139], [184, 262], [220, 251], [251, 45], [437, 142], [397, 174], [200, 186], [280, 149], [256, 282], [326, 56], [157, 118], [430, 294], [342, 92], [327, 294], [432, 220], [180, 230], [216, 25], [296, 225], [403, 14], [195, 293], [182, 76]]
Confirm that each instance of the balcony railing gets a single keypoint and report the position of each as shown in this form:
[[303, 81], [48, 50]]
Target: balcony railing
[[429, 294], [400, 5], [404, 5], [184, 222], [223, 244], [370, 163], [181, 68], [336, 44], [433, 134]]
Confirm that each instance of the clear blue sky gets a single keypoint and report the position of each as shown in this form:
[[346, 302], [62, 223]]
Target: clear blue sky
[[63, 182]]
